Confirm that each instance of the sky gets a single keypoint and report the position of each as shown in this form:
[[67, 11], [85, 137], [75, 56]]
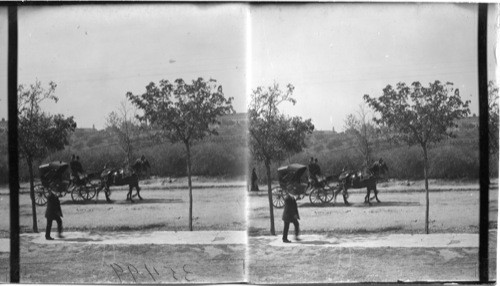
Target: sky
[[96, 54], [335, 53], [332, 53]]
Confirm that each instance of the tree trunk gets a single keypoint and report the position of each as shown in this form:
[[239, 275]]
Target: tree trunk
[[188, 151], [426, 173], [32, 195], [270, 195]]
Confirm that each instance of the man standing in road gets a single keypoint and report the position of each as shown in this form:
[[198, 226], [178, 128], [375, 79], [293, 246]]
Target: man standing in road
[[290, 215], [52, 213]]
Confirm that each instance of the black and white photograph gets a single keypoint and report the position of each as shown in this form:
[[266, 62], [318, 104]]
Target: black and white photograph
[[132, 143], [363, 124], [257, 143]]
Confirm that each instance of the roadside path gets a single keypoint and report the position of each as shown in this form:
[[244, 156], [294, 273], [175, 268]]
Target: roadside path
[[156, 237], [437, 240]]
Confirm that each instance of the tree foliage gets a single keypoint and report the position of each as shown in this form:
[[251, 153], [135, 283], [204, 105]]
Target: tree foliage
[[183, 112], [125, 126], [420, 115], [364, 131], [273, 135], [39, 133]]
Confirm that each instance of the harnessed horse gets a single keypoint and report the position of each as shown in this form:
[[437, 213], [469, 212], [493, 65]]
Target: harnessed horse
[[366, 178]]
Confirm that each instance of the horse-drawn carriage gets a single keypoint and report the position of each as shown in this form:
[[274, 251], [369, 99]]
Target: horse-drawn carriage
[[291, 182], [323, 189], [54, 176]]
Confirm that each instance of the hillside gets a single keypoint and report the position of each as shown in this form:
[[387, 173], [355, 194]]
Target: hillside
[[225, 154], [453, 158], [222, 155]]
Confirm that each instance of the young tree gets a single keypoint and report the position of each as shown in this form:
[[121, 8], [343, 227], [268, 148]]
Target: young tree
[[183, 113], [125, 126], [39, 133], [364, 131], [273, 135], [420, 115], [493, 120]]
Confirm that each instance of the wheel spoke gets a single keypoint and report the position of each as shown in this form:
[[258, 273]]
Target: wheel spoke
[[315, 197], [278, 197], [77, 195], [40, 195]]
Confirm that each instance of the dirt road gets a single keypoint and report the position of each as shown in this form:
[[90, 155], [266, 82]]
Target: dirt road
[[368, 258], [209, 256], [132, 257]]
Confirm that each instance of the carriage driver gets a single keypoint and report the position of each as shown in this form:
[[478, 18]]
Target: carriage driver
[[76, 169], [314, 171]]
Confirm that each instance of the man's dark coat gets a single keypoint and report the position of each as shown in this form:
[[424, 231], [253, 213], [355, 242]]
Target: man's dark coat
[[290, 212], [53, 207]]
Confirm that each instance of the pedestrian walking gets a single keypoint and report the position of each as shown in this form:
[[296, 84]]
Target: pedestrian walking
[[290, 215], [254, 184], [53, 212]]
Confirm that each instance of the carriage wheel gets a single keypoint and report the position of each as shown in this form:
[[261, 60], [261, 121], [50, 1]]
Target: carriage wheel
[[77, 194], [40, 195], [326, 195], [315, 197], [278, 197], [88, 192]]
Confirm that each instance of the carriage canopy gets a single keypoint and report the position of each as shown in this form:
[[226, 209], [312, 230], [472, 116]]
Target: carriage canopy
[[52, 171], [291, 173]]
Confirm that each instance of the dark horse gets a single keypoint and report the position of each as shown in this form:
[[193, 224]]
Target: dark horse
[[366, 178], [119, 177]]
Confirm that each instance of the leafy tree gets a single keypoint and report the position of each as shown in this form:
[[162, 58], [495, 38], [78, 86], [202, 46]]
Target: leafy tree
[[364, 132], [125, 126], [420, 115], [183, 112], [39, 133], [274, 136], [493, 110]]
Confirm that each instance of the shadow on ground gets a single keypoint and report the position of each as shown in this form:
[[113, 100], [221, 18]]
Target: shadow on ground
[[361, 205], [79, 239], [124, 202]]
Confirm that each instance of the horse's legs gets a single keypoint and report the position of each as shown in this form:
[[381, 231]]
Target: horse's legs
[[106, 193], [97, 194], [129, 195], [335, 193], [344, 195], [367, 197], [376, 193], [138, 191]]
